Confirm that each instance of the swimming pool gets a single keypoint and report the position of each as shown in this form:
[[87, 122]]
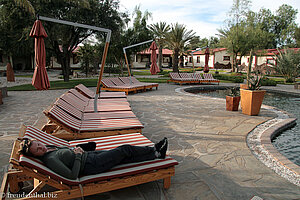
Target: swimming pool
[[288, 142]]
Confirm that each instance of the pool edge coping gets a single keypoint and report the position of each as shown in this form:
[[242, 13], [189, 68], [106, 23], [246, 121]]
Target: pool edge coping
[[292, 171]]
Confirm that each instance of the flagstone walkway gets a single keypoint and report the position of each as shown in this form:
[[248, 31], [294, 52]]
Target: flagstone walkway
[[209, 143]]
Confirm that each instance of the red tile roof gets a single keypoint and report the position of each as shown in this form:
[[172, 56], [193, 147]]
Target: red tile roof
[[164, 52], [202, 52]]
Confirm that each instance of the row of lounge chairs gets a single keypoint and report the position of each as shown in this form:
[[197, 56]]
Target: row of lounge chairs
[[192, 78], [72, 117], [126, 84]]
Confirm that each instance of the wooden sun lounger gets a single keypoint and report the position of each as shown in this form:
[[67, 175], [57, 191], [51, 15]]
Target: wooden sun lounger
[[133, 80], [210, 78], [188, 77], [64, 125], [103, 95], [25, 168], [88, 106], [176, 78], [106, 99], [95, 115], [109, 85]]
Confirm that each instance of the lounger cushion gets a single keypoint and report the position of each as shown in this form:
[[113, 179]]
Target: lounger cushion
[[103, 143], [92, 125]]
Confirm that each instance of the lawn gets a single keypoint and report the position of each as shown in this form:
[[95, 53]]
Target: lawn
[[56, 85]]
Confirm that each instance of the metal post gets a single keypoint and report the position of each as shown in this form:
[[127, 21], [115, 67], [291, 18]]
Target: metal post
[[108, 36], [134, 45]]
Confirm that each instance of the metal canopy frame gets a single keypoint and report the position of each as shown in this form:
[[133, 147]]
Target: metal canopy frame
[[134, 45], [108, 36]]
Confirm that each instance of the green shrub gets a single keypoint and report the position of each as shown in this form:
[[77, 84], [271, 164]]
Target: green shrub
[[268, 82], [234, 79]]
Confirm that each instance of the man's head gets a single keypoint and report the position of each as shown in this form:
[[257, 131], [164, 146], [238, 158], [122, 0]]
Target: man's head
[[32, 148]]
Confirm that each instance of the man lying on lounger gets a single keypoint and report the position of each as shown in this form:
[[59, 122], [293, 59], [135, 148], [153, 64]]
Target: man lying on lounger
[[71, 163]]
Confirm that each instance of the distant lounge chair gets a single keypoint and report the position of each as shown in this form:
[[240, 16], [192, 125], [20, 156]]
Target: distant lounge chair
[[26, 168], [90, 94], [210, 78], [182, 78], [188, 77], [133, 80], [111, 84]]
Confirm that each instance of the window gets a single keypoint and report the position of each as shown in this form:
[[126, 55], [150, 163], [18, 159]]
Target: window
[[270, 61], [166, 59], [1, 58], [226, 58], [145, 58], [191, 59], [198, 59]]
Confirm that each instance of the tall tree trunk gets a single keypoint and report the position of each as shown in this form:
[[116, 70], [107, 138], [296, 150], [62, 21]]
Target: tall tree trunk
[[65, 65], [176, 60], [234, 63], [160, 57]]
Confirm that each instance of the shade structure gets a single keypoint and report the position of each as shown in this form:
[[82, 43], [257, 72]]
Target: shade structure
[[206, 68], [40, 77], [154, 68], [10, 75]]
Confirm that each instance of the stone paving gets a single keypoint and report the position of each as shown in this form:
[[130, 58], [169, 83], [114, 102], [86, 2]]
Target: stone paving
[[209, 143]]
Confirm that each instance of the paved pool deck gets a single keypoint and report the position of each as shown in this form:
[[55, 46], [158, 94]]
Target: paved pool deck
[[209, 143]]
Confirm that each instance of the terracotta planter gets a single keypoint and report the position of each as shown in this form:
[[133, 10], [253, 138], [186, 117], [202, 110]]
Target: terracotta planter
[[244, 86], [232, 103], [251, 101]]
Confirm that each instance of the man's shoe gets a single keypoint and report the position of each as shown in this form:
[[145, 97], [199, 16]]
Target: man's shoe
[[163, 149], [159, 144]]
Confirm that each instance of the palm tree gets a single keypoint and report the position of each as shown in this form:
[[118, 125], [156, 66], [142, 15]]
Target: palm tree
[[177, 39], [160, 30]]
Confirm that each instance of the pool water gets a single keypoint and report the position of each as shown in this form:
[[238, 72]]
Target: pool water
[[288, 143]]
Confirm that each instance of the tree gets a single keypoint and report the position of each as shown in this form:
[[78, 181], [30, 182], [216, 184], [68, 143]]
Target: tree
[[14, 34], [297, 36], [287, 64], [285, 25], [132, 35], [63, 42], [160, 31], [232, 35], [177, 38], [281, 25]]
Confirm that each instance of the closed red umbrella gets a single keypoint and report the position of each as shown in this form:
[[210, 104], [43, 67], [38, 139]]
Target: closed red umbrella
[[154, 68], [10, 75], [40, 77], [206, 68]]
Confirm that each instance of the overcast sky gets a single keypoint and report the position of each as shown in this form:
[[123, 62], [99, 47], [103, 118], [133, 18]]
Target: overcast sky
[[202, 16]]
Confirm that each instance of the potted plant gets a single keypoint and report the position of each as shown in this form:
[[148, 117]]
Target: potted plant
[[233, 100], [252, 98]]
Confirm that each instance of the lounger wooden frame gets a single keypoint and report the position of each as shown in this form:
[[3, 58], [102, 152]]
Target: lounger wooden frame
[[18, 174]]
